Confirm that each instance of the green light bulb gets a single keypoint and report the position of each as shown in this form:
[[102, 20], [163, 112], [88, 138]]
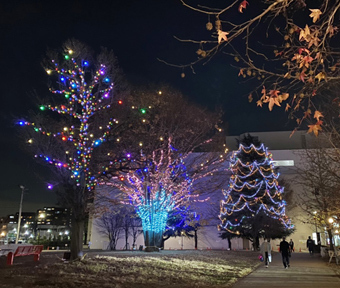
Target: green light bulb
[[143, 111], [67, 57], [42, 108]]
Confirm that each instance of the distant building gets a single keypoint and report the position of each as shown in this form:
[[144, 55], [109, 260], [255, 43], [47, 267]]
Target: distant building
[[52, 222], [49, 222], [9, 227]]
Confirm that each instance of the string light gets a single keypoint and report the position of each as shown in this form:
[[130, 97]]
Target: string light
[[253, 189], [161, 186], [81, 99]]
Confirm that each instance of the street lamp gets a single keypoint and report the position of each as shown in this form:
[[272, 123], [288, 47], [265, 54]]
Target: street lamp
[[317, 235], [20, 209]]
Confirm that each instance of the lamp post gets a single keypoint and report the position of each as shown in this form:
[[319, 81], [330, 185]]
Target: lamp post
[[316, 226], [318, 239], [330, 233], [20, 209]]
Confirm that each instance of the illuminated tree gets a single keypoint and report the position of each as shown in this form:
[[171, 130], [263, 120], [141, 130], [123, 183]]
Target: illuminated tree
[[161, 172], [182, 222], [82, 90], [163, 185], [286, 48], [253, 205]]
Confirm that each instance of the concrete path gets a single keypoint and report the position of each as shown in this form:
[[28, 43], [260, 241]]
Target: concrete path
[[305, 271]]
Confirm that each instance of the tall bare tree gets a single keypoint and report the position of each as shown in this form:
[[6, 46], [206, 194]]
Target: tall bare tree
[[286, 49], [319, 177], [111, 225]]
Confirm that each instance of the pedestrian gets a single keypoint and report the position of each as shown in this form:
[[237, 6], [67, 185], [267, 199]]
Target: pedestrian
[[285, 250], [291, 245], [266, 249], [310, 246], [89, 245]]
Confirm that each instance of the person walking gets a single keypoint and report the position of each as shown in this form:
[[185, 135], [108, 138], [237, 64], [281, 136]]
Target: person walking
[[285, 250], [291, 245], [310, 245], [266, 249]]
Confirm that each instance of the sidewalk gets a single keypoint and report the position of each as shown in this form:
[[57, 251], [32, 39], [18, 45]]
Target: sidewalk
[[305, 271]]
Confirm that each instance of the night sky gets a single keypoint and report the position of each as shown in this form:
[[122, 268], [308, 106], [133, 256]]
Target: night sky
[[139, 32]]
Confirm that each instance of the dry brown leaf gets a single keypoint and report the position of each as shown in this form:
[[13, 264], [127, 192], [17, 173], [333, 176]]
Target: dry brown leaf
[[304, 34], [242, 6], [315, 128], [315, 14], [274, 93], [263, 91], [320, 76], [273, 101], [302, 76], [285, 96], [317, 115], [222, 36]]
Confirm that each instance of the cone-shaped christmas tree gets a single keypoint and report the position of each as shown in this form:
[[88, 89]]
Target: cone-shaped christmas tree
[[253, 206]]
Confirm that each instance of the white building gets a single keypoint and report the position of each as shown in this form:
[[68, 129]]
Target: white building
[[285, 154]]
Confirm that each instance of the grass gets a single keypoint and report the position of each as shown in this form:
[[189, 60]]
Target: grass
[[132, 269]]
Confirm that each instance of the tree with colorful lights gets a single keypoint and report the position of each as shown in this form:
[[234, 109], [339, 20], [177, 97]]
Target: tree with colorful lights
[[253, 206], [164, 174], [162, 186], [83, 100]]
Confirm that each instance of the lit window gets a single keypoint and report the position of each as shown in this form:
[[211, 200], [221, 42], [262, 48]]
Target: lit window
[[283, 162]]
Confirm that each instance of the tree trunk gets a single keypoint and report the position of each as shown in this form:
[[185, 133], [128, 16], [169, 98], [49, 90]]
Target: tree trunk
[[163, 241], [196, 240], [256, 243], [330, 236], [229, 242], [153, 241], [77, 231], [126, 239]]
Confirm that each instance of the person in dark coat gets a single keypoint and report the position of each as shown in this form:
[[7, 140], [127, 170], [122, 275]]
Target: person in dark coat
[[285, 251], [310, 246], [291, 245]]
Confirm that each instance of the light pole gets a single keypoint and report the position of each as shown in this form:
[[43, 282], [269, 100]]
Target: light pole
[[20, 209]]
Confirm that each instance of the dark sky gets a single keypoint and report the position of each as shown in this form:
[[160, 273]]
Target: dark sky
[[139, 32]]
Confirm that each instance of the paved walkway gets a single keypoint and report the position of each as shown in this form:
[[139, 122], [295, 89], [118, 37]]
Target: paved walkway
[[304, 271]]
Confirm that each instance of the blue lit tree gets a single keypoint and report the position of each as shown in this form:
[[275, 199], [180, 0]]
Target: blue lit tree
[[182, 222], [253, 206], [163, 174], [82, 91], [162, 187]]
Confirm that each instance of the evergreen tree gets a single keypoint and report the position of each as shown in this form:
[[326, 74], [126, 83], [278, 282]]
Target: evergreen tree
[[253, 206]]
